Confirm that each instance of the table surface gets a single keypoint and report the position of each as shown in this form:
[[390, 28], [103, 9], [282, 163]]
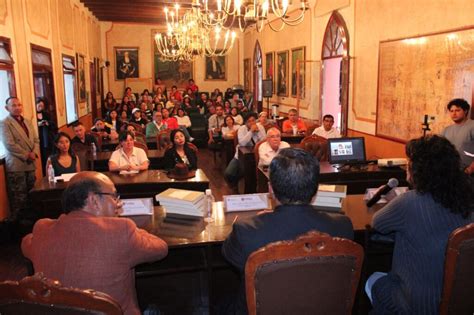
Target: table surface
[[143, 177], [181, 232]]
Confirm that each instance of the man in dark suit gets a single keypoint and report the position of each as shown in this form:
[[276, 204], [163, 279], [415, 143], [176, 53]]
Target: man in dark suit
[[89, 247], [294, 178], [22, 145]]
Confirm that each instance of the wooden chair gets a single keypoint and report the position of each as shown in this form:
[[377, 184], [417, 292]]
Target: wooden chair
[[39, 295], [193, 147], [255, 151], [317, 146], [459, 273], [318, 274], [137, 144], [82, 151], [163, 140]]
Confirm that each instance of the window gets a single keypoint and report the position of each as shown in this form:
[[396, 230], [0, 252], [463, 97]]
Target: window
[[69, 71], [7, 81]]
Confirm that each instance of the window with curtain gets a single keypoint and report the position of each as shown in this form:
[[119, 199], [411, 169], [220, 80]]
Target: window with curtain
[[7, 81], [69, 70]]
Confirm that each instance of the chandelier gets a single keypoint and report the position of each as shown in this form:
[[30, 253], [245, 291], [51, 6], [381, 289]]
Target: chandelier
[[188, 37], [250, 12]]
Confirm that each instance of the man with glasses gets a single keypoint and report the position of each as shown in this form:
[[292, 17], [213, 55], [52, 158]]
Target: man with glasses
[[270, 148], [89, 247]]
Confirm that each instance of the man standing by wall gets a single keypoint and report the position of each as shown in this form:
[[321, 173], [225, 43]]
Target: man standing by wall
[[461, 133], [21, 143]]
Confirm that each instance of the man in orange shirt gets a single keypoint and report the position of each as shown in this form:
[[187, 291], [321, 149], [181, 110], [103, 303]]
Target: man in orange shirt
[[294, 124]]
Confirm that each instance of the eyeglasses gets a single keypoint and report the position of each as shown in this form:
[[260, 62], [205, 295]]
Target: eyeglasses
[[114, 195]]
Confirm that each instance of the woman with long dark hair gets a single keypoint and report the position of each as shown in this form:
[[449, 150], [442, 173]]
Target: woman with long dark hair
[[63, 160], [180, 152], [421, 221]]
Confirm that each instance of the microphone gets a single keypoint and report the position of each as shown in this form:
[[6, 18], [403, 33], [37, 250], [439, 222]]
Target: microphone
[[392, 183]]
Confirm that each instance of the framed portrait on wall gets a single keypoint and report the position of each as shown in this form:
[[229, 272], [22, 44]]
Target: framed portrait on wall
[[216, 67], [81, 78], [247, 74], [282, 73], [270, 67], [126, 62], [298, 54]]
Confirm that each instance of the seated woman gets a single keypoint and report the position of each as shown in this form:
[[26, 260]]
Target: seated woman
[[180, 152], [63, 160], [421, 221], [101, 129], [183, 119], [128, 157], [229, 128], [238, 119]]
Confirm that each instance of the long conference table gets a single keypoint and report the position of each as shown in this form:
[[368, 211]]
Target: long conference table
[[195, 246], [46, 196]]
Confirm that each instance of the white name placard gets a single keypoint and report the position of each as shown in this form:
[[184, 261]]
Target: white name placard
[[246, 202], [137, 206]]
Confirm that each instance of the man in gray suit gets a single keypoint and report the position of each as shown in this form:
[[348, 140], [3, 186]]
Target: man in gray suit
[[21, 142]]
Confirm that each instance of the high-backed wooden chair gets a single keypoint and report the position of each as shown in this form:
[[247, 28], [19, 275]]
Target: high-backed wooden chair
[[459, 273], [82, 151], [317, 146], [255, 151], [39, 295], [163, 140], [193, 147], [314, 274], [137, 144]]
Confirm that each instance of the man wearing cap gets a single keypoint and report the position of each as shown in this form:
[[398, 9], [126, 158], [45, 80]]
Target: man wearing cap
[[137, 118]]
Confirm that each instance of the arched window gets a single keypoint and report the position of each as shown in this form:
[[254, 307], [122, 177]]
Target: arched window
[[335, 83]]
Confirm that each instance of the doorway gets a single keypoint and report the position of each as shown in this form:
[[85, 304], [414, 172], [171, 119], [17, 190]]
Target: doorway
[[44, 91], [335, 72]]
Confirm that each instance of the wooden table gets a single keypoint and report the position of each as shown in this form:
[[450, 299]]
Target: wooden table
[[356, 179], [46, 196], [100, 162], [291, 138], [110, 145]]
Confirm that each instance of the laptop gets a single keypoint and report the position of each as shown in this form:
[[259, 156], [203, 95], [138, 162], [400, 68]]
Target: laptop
[[347, 151]]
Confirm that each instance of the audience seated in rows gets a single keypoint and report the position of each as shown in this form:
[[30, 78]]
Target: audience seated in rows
[[89, 247], [113, 121], [420, 222], [327, 130], [128, 157], [229, 128], [137, 118], [294, 178], [63, 158], [157, 125]]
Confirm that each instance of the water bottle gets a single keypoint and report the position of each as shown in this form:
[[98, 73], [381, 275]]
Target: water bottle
[[50, 173], [208, 204], [94, 150]]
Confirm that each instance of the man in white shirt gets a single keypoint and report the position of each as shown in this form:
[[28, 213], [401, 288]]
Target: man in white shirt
[[157, 125], [128, 157], [270, 148], [326, 130], [248, 135]]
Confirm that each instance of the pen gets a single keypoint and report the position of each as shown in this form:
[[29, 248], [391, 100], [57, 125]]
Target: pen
[[235, 219]]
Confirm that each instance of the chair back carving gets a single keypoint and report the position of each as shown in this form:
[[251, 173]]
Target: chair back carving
[[459, 273], [137, 127], [193, 147], [255, 151], [82, 151], [137, 144], [318, 273], [317, 146], [39, 295], [163, 140]]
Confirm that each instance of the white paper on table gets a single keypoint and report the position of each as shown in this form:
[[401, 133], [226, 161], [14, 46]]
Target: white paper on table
[[137, 206], [180, 194], [65, 177], [469, 154], [246, 202], [128, 172]]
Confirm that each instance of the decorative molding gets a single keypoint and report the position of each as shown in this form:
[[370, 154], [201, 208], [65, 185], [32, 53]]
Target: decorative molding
[[3, 12], [38, 16], [66, 22]]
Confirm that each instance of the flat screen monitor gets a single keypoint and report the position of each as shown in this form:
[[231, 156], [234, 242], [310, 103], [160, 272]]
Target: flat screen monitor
[[346, 150]]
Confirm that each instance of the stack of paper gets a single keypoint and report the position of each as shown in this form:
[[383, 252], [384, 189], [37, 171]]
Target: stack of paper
[[330, 196], [183, 202]]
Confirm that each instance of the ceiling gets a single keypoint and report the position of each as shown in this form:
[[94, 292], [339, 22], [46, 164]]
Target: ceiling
[[135, 11]]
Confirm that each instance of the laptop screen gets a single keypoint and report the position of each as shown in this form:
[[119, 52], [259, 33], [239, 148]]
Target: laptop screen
[[346, 150]]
